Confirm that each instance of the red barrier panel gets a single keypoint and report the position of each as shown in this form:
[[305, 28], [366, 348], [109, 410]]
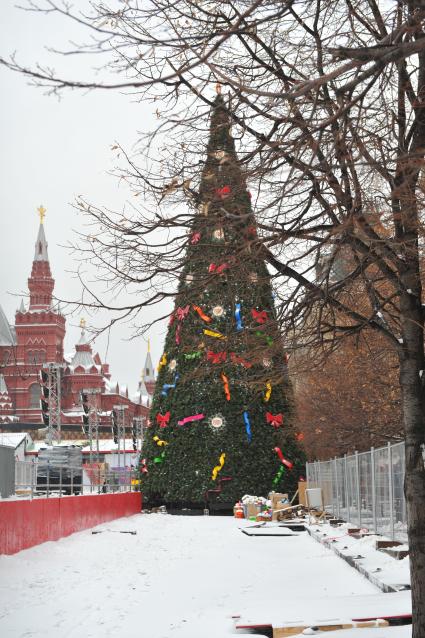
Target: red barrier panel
[[24, 524]]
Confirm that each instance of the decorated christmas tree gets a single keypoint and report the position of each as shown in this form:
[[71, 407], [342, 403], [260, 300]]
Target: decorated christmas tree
[[222, 404]]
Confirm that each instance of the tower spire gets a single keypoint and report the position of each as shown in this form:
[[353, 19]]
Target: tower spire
[[148, 374], [41, 242], [41, 283]]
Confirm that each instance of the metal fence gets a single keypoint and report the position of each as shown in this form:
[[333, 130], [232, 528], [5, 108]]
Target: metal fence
[[365, 489], [7, 471], [33, 479]]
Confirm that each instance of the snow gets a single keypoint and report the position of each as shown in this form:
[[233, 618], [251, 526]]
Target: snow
[[179, 577], [384, 568], [12, 439]]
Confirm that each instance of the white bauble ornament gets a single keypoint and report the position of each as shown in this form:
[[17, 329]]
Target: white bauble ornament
[[218, 234], [218, 311], [217, 421]]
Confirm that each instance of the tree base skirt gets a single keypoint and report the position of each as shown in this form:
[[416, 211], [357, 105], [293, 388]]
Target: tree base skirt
[[191, 508]]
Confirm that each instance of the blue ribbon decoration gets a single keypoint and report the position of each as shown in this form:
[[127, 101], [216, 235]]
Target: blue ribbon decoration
[[169, 386], [247, 426], [239, 325]]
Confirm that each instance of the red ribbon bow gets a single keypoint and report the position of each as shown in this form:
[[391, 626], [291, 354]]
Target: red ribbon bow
[[163, 419], [217, 269], [182, 312], [224, 192], [275, 419], [195, 238], [143, 466], [260, 316], [216, 357]]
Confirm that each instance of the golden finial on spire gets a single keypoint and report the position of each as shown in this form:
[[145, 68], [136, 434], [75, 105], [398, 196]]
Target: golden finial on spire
[[149, 345], [82, 323], [42, 213], [218, 88]]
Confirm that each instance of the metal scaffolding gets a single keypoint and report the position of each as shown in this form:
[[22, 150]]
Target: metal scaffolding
[[52, 378]]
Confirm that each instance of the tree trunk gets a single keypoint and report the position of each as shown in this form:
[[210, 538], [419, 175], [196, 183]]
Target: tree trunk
[[411, 376]]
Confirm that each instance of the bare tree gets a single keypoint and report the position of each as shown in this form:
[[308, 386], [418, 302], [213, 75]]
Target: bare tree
[[328, 107]]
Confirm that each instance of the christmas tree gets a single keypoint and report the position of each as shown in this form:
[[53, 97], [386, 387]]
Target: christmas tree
[[222, 403]]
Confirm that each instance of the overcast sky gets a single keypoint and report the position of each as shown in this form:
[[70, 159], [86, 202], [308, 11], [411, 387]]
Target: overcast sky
[[51, 152]]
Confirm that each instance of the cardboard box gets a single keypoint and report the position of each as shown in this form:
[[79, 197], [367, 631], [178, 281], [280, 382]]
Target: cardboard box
[[277, 498], [251, 509], [302, 486]]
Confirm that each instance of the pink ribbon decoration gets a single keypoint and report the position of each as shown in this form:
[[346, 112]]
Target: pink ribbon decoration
[[178, 331], [189, 419], [182, 313], [195, 238], [217, 269], [224, 192], [260, 316], [288, 464], [275, 419]]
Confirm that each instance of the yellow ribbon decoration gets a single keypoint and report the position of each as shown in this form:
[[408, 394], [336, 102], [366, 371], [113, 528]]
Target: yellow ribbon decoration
[[268, 391], [159, 441], [213, 333], [163, 362], [217, 468]]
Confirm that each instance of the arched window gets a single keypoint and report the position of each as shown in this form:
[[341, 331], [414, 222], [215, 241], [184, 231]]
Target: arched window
[[36, 356], [34, 393]]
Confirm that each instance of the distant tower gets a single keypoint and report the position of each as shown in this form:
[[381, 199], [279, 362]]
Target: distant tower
[[41, 282], [142, 391], [82, 373], [40, 331], [148, 373]]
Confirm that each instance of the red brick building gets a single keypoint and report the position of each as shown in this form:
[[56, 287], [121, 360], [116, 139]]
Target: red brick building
[[37, 337]]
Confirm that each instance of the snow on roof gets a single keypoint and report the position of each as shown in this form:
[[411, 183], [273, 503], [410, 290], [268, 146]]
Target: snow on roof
[[84, 359], [13, 439], [39, 444], [141, 398], [7, 337], [3, 386], [108, 445], [105, 445]]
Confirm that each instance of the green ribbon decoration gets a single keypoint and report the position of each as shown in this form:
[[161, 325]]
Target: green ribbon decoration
[[160, 458], [193, 355], [278, 475], [266, 337]]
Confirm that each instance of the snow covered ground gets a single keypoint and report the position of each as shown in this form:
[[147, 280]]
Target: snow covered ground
[[179, 577]]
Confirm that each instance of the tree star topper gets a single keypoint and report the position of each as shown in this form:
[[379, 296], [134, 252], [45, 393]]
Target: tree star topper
[[42, 213]]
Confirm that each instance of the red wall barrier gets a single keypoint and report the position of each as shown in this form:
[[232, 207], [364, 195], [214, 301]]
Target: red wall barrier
[[24, 524]]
